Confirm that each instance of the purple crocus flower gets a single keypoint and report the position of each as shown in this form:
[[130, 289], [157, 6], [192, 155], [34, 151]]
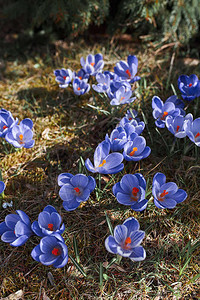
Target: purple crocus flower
[[122, 96], [81, 75], [189, 87], [64, 77], [132, 115], [178, 103], [136, 149], [51, 251], [49, 222], [115, 85], [93, 64], [127, 70], [103, 83], [131, 191], [2, 187], [117, 139], [75, 189], [166, 195], [162, 110], [21, 135], [193, 131], [177, 125], [80, 86], [104, 162], [126, 240], [16, 229], [6, 122]]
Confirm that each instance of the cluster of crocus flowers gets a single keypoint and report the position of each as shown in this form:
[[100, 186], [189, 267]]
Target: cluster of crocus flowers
[[17, 135], [17, 229], [117, 84]]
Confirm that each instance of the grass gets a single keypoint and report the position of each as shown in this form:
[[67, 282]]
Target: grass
[[67, 130]]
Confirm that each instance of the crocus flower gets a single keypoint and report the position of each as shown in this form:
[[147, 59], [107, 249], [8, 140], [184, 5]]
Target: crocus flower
[[131, 191], [132, 115], [162, 110], [127, 70], [49, 222], [21, 135], [117, 139], [126, 240], [2, 187], [6, 121], [189, 86], [103, 83], [115, 85], [177, 125], [104, 162], [81, 75], [16, 229], [122, 96], [80, 86], [64, 77], [178, 103], [166, 195], [136, 149], [193, 131], [51, 251], [132, 126], [75, 189], [93, 64]]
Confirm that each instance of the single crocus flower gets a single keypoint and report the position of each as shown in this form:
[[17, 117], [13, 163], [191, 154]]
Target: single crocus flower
[[93, 64], [131, 191], [51, 251], [6, 122], [64, 77], [115, 85], [16, 229], [2, 187], [127, 70], [189, 87], [178, 103], [80, 86], [49, 222], [75, 189], [103, 83], [193, 131], [126, 240], [21, 135], [136, 149], [122, 96], [166, 195], [177, 125], [81, 75], [117, 139], [104, 162], [162, 110]]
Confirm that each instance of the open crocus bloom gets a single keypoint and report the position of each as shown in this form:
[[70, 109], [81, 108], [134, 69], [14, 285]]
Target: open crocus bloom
[[126, 240], [189, 86], [127, 70], [64, 77], [136, 149], [93, 64]]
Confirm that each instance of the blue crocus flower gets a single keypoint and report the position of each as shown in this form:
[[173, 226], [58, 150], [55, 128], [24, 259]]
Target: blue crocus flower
[[162, 110], [93, 64], [51, 251], [16, 229], [127, 70], [21, 135], [75, 189], [178, 103], [126, 240], [132, 126], [104, 162], [6, 122], [189, 86], [2, 187], [193, 131], [136, 149], [117, 139], [81, 75], [103, 83], [80, 86], [112, 75], [122, 96], [166, 195], [132, 115], [131, 191], [177, 125], [64, 77], [115, 85], [49, 222]]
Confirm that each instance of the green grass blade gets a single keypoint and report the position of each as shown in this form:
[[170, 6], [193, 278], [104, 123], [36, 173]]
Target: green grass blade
[[109, 223], [78, 266], [76, 249]]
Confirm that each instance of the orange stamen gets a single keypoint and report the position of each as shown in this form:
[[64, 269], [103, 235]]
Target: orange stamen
[[92, 64], [50, 226], [135, 191], [64, 77], [197, 135], [133, 151], [77, 189], [21, 136], [103, 163], [130, 119], [55, 251], [177, 128], [128, 73], [78, 88], [80, 77], [122, 98], [190, 84], [127, 242], [164, 115], [4, 127], [164, 193]]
